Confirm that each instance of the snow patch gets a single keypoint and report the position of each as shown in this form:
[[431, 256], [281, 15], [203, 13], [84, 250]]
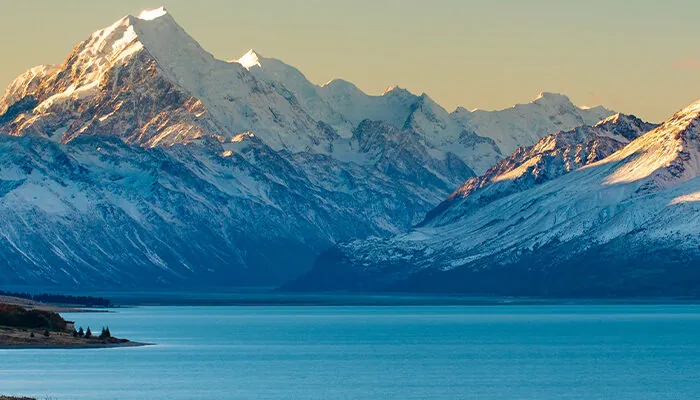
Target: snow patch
[[249, 60], [150, 15], [688, 198], [658, 149]]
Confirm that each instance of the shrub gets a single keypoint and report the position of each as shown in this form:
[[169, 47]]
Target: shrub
[[19, 317]]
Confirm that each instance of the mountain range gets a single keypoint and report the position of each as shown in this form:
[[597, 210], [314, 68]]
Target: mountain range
[[609, 210], [144, 161]]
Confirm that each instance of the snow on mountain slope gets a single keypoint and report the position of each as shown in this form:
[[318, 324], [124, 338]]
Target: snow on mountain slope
[[102, 213], [525, 124], [292, 84], [403, 153], [218, 211], [625, 225], [142, 158], [666, 156], [343, 106], [184, 93], [251, 184], [149, 80], [24, 85], [355, 105], [150, 83], [445, 134], [551, 157]]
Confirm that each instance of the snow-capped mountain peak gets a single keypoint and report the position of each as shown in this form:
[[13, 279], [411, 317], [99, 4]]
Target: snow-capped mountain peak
[[149, 15], [250, 60], [154, 31], [526, 124], [391, 89], [669, 155], [341, 85], [625, 125], [551, 157], [552, 98], [184, 92]]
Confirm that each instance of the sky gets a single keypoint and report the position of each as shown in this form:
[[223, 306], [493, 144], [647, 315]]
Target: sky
[[637, 57]]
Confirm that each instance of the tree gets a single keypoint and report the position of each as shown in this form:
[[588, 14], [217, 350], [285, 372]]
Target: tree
[[75, 333], [105, 333], [31, 335], [88, 333], [81, 332], [46, 333]]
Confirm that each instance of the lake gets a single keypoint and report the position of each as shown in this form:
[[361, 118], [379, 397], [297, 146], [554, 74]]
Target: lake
[[386, 352]]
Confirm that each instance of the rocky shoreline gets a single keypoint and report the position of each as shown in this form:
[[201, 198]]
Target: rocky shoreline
[[16, 398], [83, 346], [27, 326], [23, 339]]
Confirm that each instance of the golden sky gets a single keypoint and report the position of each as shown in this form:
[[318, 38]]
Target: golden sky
[[637, 56]]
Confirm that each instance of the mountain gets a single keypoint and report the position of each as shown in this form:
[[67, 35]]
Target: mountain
[[148, 82], [551, 157], [101, 212], [293, 84], [525, 124], [142, 160], [624, 225], [479, 138]]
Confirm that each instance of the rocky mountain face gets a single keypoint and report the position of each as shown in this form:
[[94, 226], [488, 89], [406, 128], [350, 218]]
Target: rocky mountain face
[[142, 160], [625, 224]]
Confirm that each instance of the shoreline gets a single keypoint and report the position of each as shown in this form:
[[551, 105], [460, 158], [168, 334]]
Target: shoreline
[[194, 299], [57, 308], [78, 346], [32, 326]]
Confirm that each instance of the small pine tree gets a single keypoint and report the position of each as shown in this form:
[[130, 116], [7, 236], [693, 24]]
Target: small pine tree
[[31, 335], [88, 333], [46, 333], [81, 332], [105, 333], [75, 333]]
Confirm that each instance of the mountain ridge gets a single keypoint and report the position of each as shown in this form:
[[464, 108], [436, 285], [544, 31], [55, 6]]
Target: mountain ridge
[[551, 157], [143, 159], [625, 225]]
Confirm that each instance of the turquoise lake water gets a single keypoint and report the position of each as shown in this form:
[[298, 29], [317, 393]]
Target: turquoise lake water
[[441, 352]]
